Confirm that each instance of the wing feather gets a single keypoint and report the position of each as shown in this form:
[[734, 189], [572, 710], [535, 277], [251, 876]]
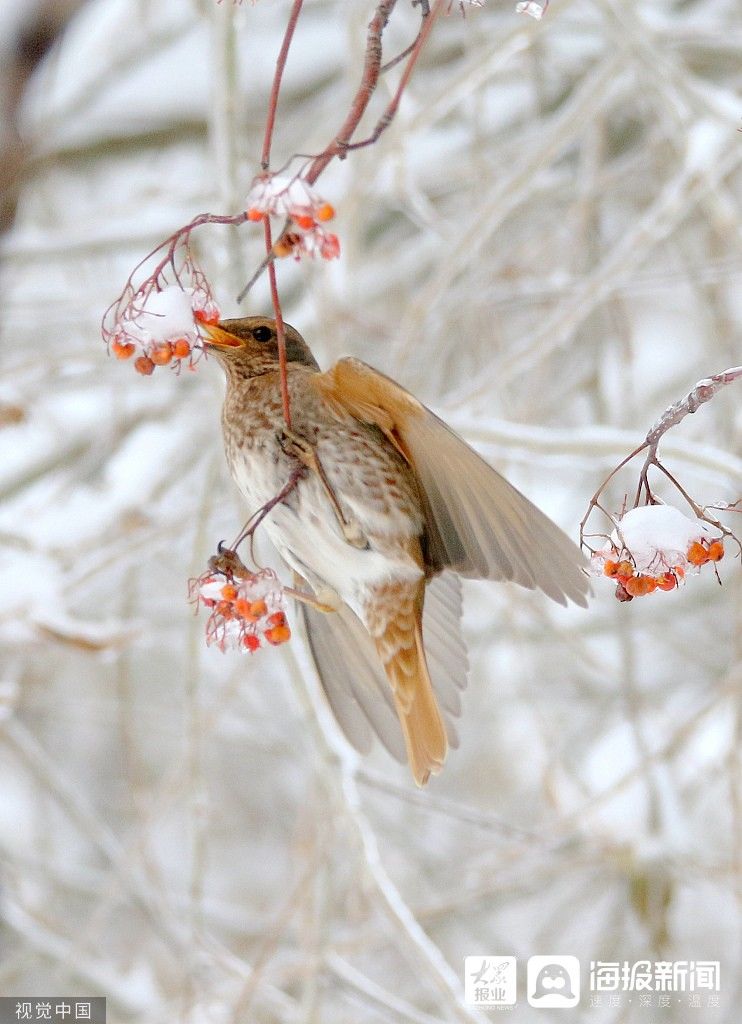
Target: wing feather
[[477, 523], [354, 681]]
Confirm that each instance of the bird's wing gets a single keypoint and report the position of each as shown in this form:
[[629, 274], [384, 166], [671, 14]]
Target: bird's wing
[[353, 679], [477, 523], [445, 650]]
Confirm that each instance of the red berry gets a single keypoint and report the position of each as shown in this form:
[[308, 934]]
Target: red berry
[[161, 354], [278, 635], [250, 641], [638, 586], [206, 316], [697, 554], [181, 348], [286, 244], [650, 584], [123, 349], [325, 212], [667, 581], [716, 551], [144, 365]]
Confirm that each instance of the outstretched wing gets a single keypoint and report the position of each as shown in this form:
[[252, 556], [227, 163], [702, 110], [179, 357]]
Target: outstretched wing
[[353, 679], [477, 523]]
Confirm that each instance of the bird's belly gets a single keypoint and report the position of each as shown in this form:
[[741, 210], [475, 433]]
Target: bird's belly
[[257, 474], [306, 532]]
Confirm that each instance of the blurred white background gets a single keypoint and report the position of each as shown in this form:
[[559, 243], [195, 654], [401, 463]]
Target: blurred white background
[[545, 247]]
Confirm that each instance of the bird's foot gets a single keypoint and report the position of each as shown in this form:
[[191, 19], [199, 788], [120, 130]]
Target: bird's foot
[[353, 534], [299, 447], [228, 562], [306, 453]]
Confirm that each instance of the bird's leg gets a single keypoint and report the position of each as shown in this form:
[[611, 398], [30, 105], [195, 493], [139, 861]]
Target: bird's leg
[[324, 599], [315, 601], [306, 453], [257, 517]]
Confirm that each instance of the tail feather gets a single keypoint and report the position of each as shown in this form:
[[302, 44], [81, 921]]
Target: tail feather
[[401, 650], [423, 730]]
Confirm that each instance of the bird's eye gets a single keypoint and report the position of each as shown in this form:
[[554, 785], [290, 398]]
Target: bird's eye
[[262, 333]]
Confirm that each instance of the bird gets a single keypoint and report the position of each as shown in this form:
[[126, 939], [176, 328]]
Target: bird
[[383, 510]]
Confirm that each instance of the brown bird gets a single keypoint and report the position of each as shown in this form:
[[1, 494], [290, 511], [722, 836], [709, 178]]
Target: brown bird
[[389, 508]]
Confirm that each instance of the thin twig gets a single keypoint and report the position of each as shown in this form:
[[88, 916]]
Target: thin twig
[[283, 53], [265, 160], [425, 12], [339, 773], [701, 392], [280, 331], [341, 144]]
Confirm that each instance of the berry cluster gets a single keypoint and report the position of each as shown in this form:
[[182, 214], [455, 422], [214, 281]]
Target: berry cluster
[[162, 331], [273, 195], [630, 583], [653, 547], [244, 611], [158, 323], [702, 551]]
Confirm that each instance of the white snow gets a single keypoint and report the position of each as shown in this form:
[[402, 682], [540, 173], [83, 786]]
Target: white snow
[[282, 195], [656, 533], [165, 314], [493, 201], [535, 10]]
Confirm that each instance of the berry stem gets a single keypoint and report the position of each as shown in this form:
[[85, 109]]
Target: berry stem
[[265, 160], [283, 53]]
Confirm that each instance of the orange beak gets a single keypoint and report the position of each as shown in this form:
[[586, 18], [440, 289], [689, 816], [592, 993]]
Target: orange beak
[[220, 338]]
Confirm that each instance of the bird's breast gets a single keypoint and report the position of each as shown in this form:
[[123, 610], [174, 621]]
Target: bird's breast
[[369, 479]]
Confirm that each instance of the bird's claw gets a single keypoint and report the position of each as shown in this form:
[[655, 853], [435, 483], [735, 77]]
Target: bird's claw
[[227, 562], [299, 447], [353, 534]]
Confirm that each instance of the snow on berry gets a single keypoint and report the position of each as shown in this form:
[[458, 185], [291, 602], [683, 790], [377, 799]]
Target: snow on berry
[[244, 611], [162, 324], [651, 549], [157, 319], [273, 195], [161, 315]]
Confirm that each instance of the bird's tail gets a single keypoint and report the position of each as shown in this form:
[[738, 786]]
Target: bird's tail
[[400, 647]]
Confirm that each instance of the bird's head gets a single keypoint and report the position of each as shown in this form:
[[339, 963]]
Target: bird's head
[[248, 347]]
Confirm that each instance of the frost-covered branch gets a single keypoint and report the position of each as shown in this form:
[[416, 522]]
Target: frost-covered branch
[[652, 544]]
